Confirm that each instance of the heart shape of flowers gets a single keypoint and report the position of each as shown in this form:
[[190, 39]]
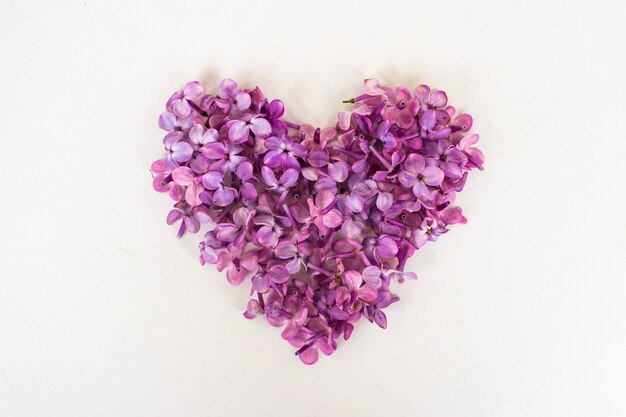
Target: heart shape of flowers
[[321, 221]]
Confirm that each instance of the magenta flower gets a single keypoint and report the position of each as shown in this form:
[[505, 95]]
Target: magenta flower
[[192, 217], [199, 136], [283, 152], [430, 99], [418, 173], [239, 130], [239, 99], [222, 195], [224, 156], [429, 230], [237, 263], [322, 212], [178, 151], [403, 108]]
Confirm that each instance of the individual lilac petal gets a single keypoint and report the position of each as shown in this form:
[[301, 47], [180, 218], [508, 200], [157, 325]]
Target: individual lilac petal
[[344, 119], [372, 86], [407, 179], [309, 356], [192, 195], [228, 233], [285, 250], [238, 131], [310, 173], [414, 164], [171, 138], [476, 157], [192, 224], [244, 171], [260, 127], [227, 88], [421, 191], [167, 121], [289, 161], [337, 314], [294, 266], [318, 158], [249, 260], [248, 191], [181, 108], [380, 318], [193, 90], [273, 143], [299, 150], [453, 215], [212, 180], [182, 152], [468, 141], [462, 122], [422, 93], [338, 171], [266, 237], [202, 214], [405, 120], [278, 274], [276, 109], [183, 176], [240, 216], [289, 178], [208, 256], [235, 277], [223, 196], [268, 176], [290, 331], [173, 216], [352, 279], [333, 219], [354, 203], [214, 150], [371, 275], [242, 100], [324, 199], [384, 201], [428, 119], [351, 229], [273, 158], [433, 176], [260, 283], [253, 309], [438, 99], [368, 293], [440, 133], [452, 170]]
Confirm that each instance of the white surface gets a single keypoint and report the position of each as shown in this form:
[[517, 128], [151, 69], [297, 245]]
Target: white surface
[[103, 312]]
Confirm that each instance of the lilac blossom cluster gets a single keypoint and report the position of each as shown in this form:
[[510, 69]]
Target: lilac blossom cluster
[[320, 221]]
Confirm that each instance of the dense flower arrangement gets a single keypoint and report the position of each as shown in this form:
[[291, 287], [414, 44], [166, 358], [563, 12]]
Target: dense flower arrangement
[[320, 221]]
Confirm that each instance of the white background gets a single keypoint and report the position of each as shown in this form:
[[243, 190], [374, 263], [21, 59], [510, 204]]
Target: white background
[[103, 312]]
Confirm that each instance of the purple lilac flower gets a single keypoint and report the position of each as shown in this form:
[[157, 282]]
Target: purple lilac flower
[[284, 152]]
